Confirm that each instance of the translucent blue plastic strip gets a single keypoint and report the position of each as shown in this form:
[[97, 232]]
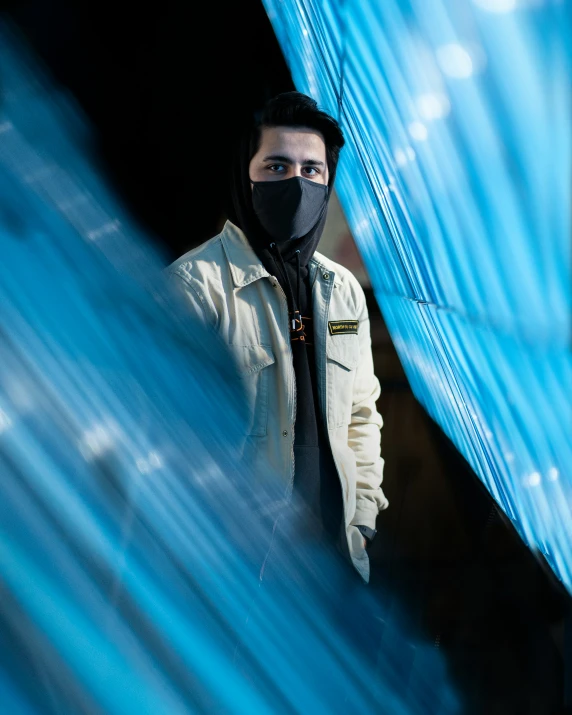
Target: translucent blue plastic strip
[[456, 184]]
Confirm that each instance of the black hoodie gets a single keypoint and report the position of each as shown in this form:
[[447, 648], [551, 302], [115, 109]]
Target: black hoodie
[[315, 476]]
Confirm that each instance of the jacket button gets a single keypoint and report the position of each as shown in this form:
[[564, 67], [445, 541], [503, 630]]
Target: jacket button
[[285, 433], [326, 276]]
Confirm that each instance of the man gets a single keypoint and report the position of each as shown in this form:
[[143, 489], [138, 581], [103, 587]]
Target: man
[[298, 326]]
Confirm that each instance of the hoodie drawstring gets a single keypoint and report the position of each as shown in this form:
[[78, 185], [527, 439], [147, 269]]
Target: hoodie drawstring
[[296, 324], [298, 272]]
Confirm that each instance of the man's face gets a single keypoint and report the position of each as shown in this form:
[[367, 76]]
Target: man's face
[[286, 152]]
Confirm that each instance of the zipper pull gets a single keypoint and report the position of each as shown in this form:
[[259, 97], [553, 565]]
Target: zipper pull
[[297, 324]]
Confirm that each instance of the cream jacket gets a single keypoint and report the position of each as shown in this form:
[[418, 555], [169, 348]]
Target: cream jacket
[[228, 288]]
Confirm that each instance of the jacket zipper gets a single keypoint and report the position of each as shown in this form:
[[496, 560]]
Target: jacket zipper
[[293, 398], [293, 401]]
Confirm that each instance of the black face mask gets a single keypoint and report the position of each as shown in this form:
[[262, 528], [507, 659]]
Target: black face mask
[[290, 208]]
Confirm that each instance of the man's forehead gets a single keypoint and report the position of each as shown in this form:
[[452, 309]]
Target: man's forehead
[[292, 138]]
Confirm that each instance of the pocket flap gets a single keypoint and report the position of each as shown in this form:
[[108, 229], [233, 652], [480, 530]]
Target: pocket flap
[[344, 349], [252, 358]]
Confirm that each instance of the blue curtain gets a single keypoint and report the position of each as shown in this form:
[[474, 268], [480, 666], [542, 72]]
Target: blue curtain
[[456, 184]]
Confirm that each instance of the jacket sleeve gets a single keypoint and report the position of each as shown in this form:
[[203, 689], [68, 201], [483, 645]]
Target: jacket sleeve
[[364, 433]]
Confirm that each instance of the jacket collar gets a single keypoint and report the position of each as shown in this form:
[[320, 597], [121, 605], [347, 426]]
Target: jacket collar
[[319, 261], [246, 267]]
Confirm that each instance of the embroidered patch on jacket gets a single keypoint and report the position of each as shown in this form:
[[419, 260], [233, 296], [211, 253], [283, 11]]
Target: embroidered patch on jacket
[[343, 327]]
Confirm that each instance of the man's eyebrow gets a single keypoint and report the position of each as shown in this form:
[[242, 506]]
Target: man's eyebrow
[[278, 157], [287, 160]]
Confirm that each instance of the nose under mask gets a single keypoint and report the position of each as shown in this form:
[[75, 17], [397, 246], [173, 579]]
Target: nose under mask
[[290, 208]]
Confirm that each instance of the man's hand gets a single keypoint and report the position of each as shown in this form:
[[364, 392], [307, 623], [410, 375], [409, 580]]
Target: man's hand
[[364, 543]]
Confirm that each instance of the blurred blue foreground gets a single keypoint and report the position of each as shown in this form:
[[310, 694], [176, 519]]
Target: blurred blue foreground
[[132, 537]]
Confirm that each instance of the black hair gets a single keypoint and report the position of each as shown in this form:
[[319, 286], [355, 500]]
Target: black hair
[[294, 109], [289, 109]]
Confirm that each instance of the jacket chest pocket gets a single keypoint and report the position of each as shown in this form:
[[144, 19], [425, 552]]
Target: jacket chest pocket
[[255, 365], [343, 355]]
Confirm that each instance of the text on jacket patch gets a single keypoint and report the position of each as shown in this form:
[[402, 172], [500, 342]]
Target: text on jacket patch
[[343, 327]]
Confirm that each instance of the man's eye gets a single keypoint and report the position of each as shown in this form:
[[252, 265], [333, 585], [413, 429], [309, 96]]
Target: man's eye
[[311, 171], [276, 168]]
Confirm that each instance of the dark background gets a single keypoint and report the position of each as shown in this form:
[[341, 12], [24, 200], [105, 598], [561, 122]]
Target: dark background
[[164, 87]]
